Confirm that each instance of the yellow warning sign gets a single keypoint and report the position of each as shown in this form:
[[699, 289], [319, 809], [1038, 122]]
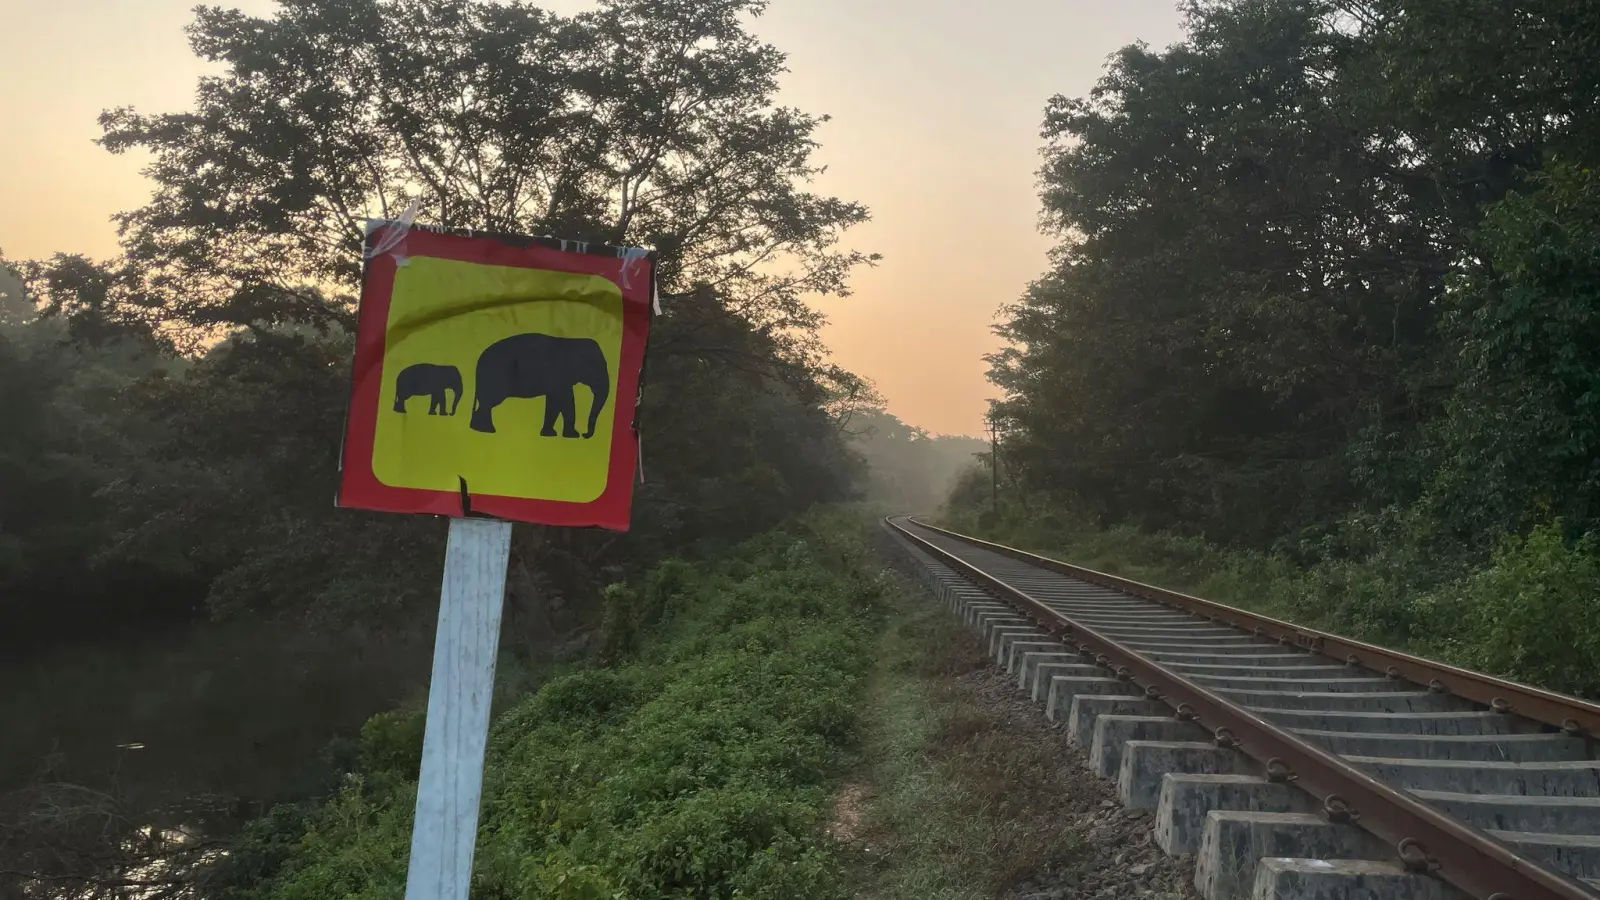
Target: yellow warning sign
[[501, 372], [488, 385]]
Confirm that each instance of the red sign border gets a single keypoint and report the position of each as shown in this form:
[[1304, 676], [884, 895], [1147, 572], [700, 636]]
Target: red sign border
[[359, 487]]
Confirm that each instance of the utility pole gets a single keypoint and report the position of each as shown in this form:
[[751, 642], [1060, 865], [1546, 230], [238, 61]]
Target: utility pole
[[994, 466]]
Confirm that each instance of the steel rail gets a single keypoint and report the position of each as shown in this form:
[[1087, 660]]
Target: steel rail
[[1572, 715], [1425, 839]]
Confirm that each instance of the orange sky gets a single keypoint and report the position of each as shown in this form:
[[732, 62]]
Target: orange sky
[[935, 103]]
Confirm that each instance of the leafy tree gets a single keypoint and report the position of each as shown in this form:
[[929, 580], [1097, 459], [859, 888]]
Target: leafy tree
[[639, 123], [17, 308], [737, 434], [64, 371], [101, 304], [1506, 91], [1248, 329], [1242, 283], [1518, 439], [231, 482], [648, 123], [1480, 90]]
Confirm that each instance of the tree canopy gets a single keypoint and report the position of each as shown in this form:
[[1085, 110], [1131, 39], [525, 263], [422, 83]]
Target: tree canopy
[[1309, 258], [645, 123]]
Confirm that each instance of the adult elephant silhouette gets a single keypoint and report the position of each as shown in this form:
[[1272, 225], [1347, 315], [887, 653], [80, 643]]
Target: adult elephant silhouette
[[541, 365], [427, 378]]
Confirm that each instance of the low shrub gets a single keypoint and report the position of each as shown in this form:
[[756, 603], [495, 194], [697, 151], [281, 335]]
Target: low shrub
[[1531, 613], [697, 764]]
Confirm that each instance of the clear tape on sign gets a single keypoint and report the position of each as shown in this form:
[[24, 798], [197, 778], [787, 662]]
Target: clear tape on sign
[[395, 236], [630, 257]]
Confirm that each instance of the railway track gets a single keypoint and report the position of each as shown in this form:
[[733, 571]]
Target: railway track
[[1292, 763]]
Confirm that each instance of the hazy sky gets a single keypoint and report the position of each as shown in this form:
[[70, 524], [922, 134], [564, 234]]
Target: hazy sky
[[936, 107]]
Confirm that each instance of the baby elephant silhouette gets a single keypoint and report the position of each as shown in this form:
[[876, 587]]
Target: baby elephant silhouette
[[427, 378], [541, 365]]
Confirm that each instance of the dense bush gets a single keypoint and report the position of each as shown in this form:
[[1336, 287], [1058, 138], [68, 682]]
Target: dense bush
[[698, 765], [1531, 613]]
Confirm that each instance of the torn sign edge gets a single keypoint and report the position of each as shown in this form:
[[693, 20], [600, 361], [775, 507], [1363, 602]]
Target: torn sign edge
[[644, 364]]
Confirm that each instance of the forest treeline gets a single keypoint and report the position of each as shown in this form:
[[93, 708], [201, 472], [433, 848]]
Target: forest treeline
[[177, 410], [909, 470], [1327, 288], [144, 488]]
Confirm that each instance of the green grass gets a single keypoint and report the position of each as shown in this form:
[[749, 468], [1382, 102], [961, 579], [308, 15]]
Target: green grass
[[918, 815], [960, 803], [699, 763]]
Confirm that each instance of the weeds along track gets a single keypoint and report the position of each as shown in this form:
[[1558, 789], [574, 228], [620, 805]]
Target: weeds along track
[[1292, 763]]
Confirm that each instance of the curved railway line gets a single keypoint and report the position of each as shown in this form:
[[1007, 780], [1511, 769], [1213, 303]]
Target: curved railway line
[[1292, 763]]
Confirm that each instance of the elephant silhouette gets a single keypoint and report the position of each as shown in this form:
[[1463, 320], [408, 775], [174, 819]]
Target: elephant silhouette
[[541, 365], [427, 378]]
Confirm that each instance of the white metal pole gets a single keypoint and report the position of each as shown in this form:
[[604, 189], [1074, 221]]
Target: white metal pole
[[445, 832]]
